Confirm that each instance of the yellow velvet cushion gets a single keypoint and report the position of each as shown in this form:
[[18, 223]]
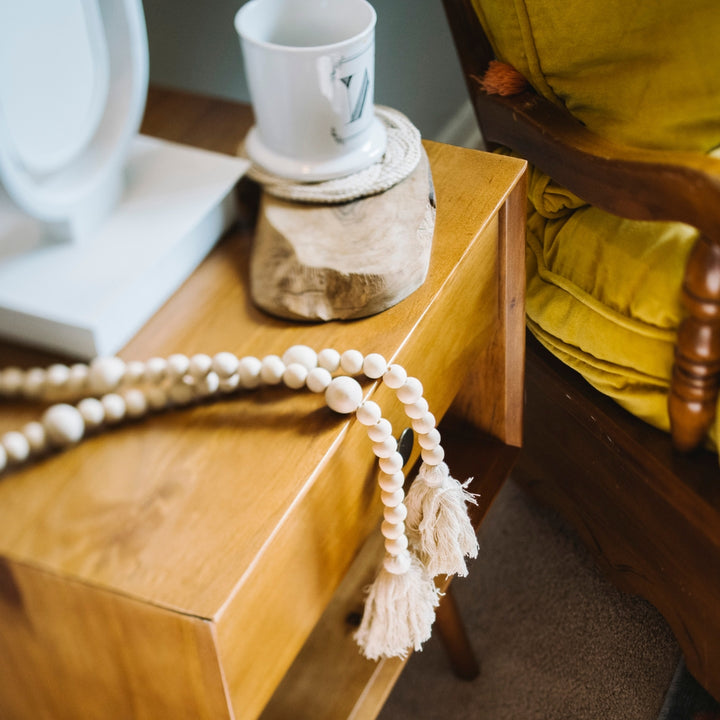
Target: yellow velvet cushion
[[642, 73], [603, 295]]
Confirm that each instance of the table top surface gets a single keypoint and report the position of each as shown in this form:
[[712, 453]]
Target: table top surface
[[178, 509]]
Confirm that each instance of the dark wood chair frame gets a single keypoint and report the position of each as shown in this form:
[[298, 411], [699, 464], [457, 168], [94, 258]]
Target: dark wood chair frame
[[647, 507]]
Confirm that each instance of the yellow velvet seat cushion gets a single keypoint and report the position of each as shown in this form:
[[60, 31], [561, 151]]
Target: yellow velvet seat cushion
[[641, 73], [603, 295]]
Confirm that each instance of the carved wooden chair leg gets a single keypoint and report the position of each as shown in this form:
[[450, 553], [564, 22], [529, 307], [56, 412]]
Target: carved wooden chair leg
[[694, 388], [454, 638]]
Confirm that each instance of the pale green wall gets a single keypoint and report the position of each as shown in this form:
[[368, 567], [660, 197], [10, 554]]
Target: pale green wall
[[193, 45]]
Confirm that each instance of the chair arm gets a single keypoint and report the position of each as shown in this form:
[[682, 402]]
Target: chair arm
[[631, 182]]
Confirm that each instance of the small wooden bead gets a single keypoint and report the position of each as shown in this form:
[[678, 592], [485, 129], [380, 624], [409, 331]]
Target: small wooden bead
[[78, 380], [11, 381], [302, 354], [329, 359], [374, 366], [397, 564], [225, 364], [392, 464], [3, 458], [180, 394], [434, 456], [428, 441], [343, 395], [295, 375], [272, 370], [114, 407], [351, 362], [391, 483], [92, 412], [34, 383], [417, 409], [424, 424], [177, 366], [380, 431], [63, 424], [369, 413], [36, 436], [57, 376], [385, 448], [392, 499], [157, 397], [249, 372], [395, 514], [16, 446], [410, 391], [136, 402], [390, 530], [105, 374], [134, 372], [396, 545], [318, 380], [208, 385], [156, 369], [228, 385], [200, 365], [395, 376]]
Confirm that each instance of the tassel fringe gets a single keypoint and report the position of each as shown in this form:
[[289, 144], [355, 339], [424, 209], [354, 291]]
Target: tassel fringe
[[438, 523], [399, 612]]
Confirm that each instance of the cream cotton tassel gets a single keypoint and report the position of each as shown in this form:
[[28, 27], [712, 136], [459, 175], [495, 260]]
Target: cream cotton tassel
[[399, 610], [438, 523]]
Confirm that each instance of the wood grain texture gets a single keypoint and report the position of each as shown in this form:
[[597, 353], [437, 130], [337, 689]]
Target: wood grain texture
[[243, 515], [347, 260], [631, 182]]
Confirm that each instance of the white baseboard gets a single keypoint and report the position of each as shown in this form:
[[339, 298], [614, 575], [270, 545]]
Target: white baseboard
[[462, 129]]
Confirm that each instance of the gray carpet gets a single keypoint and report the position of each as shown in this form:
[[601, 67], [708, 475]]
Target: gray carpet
[[555, 640]]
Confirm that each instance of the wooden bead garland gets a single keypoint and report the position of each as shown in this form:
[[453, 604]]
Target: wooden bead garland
[[400, 605]]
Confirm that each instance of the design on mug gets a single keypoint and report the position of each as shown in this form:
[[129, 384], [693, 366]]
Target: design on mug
[[352, 78]]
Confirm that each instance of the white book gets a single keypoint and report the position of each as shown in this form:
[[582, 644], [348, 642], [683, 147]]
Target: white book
[[89, 299]]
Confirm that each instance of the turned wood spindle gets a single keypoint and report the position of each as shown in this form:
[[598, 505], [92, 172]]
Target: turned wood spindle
[[694, 387]]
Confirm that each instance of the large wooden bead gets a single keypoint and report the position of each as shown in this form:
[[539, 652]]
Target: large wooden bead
[[395, 514], [396, 545], [380, 431], [34, 382], [63, 424], [302, 354], [343, 395], [395, 376]]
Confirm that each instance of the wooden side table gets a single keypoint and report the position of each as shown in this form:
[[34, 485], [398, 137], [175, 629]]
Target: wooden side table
[[176, 567]]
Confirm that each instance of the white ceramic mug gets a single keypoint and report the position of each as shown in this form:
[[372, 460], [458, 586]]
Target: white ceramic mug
[[310, 68]]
